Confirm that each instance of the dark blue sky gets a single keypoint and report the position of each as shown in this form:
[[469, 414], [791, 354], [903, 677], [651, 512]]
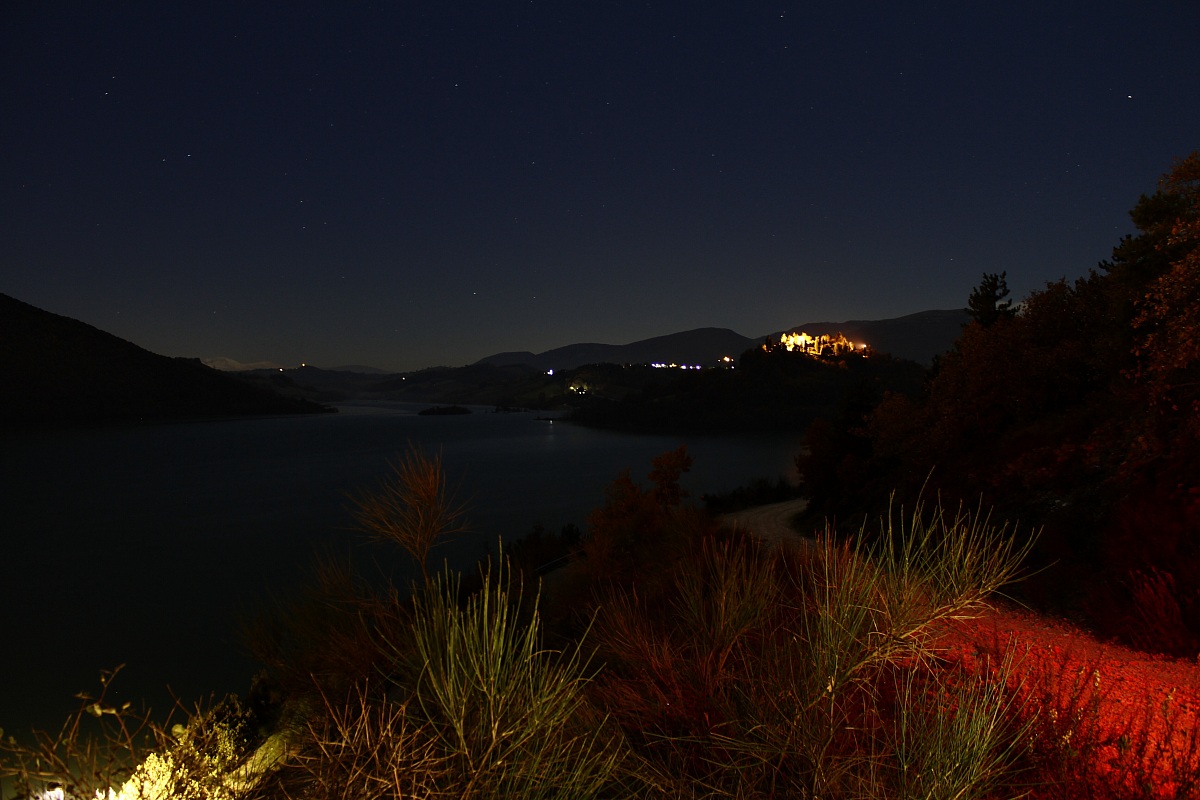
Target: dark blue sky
[[419, 183]]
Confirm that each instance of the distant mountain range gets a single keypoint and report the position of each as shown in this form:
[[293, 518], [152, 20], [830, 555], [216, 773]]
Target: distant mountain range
[[916, 337], [703, 346], [56, 371], [519, 379]]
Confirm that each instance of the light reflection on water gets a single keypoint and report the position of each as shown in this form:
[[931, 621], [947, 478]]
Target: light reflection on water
[[142, 545]]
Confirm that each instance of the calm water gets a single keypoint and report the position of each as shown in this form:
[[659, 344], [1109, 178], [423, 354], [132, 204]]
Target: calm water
[[143, 545]]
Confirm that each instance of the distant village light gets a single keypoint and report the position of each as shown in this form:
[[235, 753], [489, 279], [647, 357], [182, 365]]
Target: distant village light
[[820, 345]]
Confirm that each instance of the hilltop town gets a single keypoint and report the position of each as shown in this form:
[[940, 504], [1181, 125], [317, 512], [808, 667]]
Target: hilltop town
[[821, 345]]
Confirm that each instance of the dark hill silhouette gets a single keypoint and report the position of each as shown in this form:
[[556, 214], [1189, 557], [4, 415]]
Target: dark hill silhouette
[[56, 371], [703, 346]]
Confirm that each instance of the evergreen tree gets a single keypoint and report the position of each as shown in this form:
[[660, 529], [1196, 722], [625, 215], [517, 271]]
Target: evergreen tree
[[987, 304]]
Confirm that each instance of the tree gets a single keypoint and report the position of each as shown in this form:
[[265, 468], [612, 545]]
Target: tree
[[986, 303], [1167, 323], [668, 468], [638, 526]]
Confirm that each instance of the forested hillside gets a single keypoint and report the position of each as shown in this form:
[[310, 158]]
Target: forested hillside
[[1077, 409]]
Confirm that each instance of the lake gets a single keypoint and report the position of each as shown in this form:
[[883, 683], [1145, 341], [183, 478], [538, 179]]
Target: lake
[[143, 545]]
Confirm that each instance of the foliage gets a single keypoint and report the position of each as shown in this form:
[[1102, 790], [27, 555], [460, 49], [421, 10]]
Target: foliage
[[505, 711], [758, 492], [201, 760], [357, 746], [987, 302], [636, 526], [774, 390], [1091, 736], [327, 639], [412, 508], [957, 738], [1152, 602], [1168, 315]]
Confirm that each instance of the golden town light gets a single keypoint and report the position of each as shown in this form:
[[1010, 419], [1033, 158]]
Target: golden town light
[[820, 345]]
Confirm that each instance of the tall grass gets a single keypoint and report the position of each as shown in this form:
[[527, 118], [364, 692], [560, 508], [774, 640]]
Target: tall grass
[[777, 673], [473, 706], [958, 738], [509, 714], [943, 564], [723, 596], [355, 746]]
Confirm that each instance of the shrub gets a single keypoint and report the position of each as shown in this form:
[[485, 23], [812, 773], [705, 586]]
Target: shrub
[[97, 748], [508, 715], [956, 738], [118, 753], [412, 508], [356, 745]]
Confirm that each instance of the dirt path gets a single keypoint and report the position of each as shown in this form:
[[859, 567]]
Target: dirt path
[[772, 523]]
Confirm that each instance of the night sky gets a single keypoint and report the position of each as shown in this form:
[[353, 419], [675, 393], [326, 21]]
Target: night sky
[[418, 183]]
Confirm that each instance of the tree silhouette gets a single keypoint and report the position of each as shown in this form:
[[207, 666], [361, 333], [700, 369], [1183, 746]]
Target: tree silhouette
[[1168, 315]]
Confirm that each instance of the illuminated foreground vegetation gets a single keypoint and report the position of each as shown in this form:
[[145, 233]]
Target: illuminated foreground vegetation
[[672, 657]]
